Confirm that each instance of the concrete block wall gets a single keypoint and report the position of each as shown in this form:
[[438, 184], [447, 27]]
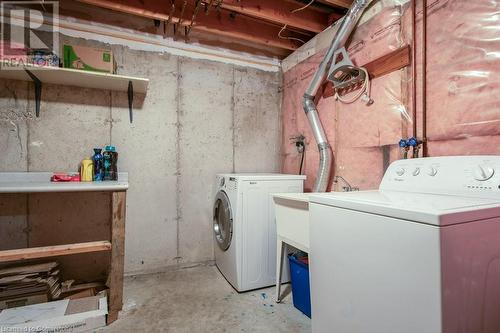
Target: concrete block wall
[[198, 118]]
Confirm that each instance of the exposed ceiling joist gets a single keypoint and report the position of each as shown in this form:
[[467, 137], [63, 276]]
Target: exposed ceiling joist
[[86, 13], [279, 12], [338, 3], [224, 23]]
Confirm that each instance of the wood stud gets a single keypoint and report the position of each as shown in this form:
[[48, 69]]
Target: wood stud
[[193, 18], [170, 15]]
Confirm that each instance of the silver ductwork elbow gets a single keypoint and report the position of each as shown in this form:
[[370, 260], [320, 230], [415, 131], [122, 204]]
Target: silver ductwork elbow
[[345, 29], [325, 151]]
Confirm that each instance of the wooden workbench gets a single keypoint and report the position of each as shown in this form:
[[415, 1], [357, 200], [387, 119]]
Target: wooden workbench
[[39, 182]]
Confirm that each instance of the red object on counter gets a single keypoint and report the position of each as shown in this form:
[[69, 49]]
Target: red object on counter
[[65, 177]]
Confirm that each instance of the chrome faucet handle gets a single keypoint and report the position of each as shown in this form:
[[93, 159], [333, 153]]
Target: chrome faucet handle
[[347, 187]]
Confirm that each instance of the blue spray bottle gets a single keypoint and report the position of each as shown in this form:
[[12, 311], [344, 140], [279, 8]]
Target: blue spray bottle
[[98, 165]]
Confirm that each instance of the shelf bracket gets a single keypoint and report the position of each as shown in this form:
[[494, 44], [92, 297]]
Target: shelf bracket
[[130, 101], [38, 91]]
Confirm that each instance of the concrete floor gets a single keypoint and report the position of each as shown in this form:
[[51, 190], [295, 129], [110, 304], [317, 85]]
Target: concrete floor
[[199, 299]]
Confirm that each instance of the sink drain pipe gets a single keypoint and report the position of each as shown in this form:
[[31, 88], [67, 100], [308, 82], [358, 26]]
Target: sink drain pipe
[[325, 151]]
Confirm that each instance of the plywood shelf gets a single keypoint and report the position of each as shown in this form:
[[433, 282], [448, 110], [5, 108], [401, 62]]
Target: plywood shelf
[[73, 77], [53, 251]]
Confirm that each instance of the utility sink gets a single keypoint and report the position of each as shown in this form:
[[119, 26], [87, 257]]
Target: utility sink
[[292, 219], [292, 228]]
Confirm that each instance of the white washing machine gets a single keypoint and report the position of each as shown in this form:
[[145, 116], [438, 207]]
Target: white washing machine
[[245, 227], [419, 255]]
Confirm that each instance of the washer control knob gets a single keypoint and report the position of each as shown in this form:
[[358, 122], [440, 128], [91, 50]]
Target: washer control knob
[[222, 181], [400, 171], [416, 172], [432, 171], [483, 172]]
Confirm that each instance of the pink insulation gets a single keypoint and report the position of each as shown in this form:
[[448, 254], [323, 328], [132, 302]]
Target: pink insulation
[[463, 110], [377, 37], [463, 69], [376, 125]]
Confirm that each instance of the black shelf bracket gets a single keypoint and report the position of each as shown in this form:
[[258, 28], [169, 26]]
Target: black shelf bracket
[[38, 91], [130, 101]]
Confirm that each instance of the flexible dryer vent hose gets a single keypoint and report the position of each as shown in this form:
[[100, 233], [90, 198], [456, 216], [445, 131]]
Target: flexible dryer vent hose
[[325, 151]]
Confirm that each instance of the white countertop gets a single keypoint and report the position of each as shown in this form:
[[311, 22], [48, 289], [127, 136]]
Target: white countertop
[[39, 182], [303, 197]]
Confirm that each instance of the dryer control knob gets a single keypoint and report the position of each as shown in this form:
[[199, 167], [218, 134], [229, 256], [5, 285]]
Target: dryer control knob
[[483, 172], [416, 172], [432, 171], [400, 171]]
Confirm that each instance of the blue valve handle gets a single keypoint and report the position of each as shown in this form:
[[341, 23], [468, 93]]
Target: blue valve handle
[[405, 147], [413, 142]]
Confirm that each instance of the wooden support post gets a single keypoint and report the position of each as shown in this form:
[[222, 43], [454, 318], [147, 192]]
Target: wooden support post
[[115, 278]]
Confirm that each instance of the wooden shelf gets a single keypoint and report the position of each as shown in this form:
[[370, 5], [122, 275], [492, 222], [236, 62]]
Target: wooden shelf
[[53, 251], [74, 77], [40, 75]]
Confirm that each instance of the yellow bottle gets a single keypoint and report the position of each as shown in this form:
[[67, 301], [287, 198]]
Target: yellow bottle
[[86, 170]]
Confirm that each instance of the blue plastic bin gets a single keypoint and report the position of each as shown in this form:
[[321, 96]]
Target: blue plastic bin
[[299, 274]]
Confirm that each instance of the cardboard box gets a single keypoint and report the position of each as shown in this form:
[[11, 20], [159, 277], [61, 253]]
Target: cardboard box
[[88, 59], [78, 315], [23, 301]]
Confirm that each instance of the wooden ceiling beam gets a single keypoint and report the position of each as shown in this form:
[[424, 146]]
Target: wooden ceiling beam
[[334, 17], [223, 23], [83, 12], [279, 12], [338, 3]]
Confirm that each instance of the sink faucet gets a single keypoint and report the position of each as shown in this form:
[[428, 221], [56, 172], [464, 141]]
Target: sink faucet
[[347, 187]]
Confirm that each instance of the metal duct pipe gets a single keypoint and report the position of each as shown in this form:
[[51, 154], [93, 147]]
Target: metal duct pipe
[[325, 151]]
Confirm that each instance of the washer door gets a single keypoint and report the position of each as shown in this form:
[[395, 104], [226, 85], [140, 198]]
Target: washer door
[[223, 221]]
